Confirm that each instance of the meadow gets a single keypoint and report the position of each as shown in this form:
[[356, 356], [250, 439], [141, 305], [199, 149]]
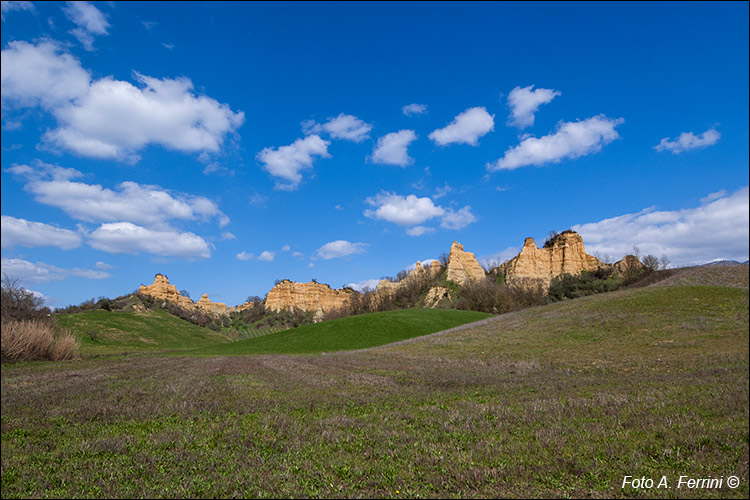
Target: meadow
[[563, 400]]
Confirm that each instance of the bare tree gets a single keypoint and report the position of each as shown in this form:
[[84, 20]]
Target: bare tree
[[651, 262], [664, 262], [18, 303]]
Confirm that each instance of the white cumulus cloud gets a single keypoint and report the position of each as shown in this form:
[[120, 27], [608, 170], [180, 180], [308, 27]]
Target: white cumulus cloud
[[414, 109], [524, 102], [130, 201], [267, 256], [466, 128], [36, 234], [458, 219], [402, 210], [687, 141], [570, 140], [347, 127], [391, 149], [717, 229], [41, 75], [340, 248], [126, 237], [109, 118], [286, 162], [115, 119]]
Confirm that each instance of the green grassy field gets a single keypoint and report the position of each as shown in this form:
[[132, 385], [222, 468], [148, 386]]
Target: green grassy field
[[556, 401], [353, 332], [107, 332]]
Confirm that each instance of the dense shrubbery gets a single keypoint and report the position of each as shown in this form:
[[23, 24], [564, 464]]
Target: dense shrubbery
[[28, 329], [567, 286], [489, 296]]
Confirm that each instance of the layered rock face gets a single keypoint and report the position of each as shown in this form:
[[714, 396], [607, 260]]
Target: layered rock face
[[212, 307], [463, 266], [307, 296], [627, 265], [566, 254], [161, 289], [386, 287]]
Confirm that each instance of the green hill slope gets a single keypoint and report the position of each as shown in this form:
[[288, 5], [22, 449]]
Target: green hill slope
[[563, 400], [105, 332], [353, 332]]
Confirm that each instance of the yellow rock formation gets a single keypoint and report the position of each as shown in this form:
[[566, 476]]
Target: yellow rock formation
[[212, 307], [463, 266], [386, 287], [161, 289], [540, 265], [305, 296], [627, 265]]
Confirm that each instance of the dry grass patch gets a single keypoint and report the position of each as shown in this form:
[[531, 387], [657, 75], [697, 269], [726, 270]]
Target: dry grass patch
[[31, 340]]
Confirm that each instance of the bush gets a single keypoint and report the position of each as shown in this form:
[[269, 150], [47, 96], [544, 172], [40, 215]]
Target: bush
[[29, 340], [488, 296], [568, 286]]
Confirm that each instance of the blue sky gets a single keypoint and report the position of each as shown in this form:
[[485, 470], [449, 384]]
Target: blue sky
[[228, 145]]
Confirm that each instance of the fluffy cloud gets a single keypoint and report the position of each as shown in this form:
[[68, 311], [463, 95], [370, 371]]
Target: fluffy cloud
[[413, 211], [340, 248], [115, 119], [244, 256], [141, 204], [718, 229], [110, 118], [286, 162], [347, 127], [524, 102], [90, 21], [687, 141], [36, 234], [414, 109], [41, 75], [570, 140], [402, 210], [466, 128], [391, 148], [39, 272], [267, 256], [459, 219], [126, 237]]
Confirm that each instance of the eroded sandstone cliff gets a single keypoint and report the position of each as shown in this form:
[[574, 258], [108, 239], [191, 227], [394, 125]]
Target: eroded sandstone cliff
[[306, 296], [463, 266], [564, 254], [161, 289]]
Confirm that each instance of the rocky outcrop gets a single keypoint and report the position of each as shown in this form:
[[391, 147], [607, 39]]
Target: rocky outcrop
[[212, 307], [420, 272], [306, 296], [463, 266], [628, 265], [564, 254], [161, 289], [436, 294]]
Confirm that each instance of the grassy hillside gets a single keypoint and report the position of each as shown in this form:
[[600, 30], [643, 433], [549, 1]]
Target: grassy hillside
[[107, 332], [562, 400], [353, 332]]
